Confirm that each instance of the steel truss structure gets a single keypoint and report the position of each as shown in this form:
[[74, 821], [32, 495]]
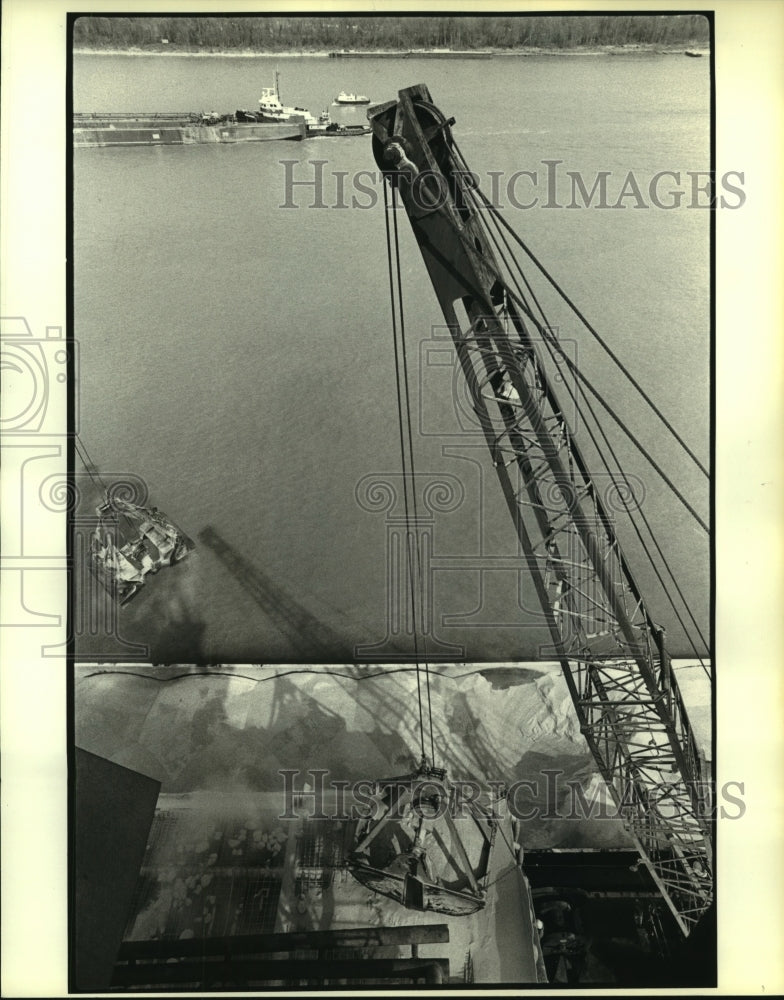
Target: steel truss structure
[[612, 653]]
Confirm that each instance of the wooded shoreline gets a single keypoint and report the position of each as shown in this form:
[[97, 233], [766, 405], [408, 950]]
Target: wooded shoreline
[[606, 50], [392, 33]]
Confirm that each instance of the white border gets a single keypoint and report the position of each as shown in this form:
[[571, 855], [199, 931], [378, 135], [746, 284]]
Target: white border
[[750, 96]]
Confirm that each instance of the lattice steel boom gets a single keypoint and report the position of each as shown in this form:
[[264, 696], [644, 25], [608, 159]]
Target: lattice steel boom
[[612, 654]]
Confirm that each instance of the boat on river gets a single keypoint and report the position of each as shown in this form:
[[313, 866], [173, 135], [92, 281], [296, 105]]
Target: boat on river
[[344, 98], [337, 130], [178, 128], [272, 109], [329, 129]]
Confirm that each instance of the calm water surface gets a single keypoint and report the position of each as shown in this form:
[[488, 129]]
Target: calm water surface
[[238, 356]]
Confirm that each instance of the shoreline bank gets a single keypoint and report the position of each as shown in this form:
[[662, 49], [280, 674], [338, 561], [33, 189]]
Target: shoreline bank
[[598, 50]]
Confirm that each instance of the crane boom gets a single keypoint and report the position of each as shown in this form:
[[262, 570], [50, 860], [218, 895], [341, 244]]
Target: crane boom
[[612, 653]]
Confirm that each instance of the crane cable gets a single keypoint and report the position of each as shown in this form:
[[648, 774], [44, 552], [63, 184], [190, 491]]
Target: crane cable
[[97, 481], [602, 343], [401, 375], [579, 375], [416, 544], [551, 343], [90, 466]]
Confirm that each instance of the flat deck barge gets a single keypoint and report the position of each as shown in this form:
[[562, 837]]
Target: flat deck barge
[[175, 129]]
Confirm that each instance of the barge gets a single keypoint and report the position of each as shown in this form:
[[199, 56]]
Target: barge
[[176, 129]]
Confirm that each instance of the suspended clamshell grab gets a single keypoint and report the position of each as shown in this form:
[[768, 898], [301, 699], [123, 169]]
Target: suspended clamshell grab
[[424, 845], [130, 543]]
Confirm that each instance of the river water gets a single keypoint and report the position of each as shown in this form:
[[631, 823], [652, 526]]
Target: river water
[[238, 356]]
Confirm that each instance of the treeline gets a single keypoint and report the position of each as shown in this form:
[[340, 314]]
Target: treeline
[[270, 33]]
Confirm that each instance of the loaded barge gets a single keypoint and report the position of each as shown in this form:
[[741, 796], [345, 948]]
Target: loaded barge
[[273, 120], [175, 129]]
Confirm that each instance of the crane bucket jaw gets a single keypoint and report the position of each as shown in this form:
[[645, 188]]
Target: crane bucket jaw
[[130, 543], [415, 852]]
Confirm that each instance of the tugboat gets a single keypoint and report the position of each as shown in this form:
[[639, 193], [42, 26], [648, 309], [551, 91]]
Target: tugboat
[[344, 98], [272, 110], [320, 126], [146, 541], [413, 852], [326, 127]]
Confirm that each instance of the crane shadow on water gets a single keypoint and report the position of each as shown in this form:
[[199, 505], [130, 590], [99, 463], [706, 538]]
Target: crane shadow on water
[[308, 637]]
